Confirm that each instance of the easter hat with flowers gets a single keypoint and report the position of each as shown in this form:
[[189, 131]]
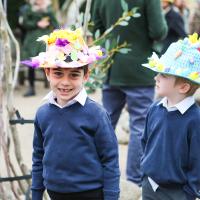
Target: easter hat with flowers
[[181, 59], [67, 49]]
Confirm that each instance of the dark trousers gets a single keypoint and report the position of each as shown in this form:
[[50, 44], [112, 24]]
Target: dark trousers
[[138, 100], [162, 193], [31, 77], [87, 195]]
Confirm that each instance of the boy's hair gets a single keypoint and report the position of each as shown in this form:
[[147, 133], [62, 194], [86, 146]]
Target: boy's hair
[[85, 69], [193, 86]]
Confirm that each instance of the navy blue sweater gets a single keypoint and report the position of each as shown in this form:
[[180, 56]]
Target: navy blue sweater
[[171, 148], [75, 150]]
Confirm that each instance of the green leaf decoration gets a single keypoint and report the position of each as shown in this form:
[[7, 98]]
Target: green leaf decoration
[[74, 55], [97, 34], [107, 44], [128, 18], [112, 45], [108, 30], [123, 23], [134, 10], [77, 46], [136, 15], [118, 38], [124, 50], [124, 5], [73, 27]]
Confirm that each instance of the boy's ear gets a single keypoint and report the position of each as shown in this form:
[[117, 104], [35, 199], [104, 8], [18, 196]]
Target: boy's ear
[[184, 88], [86, 76], [47, 71]]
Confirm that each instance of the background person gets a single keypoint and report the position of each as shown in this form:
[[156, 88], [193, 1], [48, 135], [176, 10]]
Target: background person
[[127, 82]]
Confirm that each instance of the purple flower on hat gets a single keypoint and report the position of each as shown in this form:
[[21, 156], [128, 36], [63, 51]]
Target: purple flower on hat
[[62, 42], [167, 69], [31, 63]]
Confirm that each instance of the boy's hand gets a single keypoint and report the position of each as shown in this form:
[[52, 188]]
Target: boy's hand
[[44, 22]]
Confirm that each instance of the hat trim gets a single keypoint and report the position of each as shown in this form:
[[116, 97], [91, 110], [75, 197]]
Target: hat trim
[[197, 81]]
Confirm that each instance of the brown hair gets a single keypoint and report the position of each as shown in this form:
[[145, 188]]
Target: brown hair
[[85, 69], [193, 86]]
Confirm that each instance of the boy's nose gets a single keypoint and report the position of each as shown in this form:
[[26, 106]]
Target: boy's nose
[[157, 77], [65, 81]]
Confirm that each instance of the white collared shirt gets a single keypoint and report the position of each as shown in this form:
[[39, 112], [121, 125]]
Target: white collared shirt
[[182, 107], [81, 98]]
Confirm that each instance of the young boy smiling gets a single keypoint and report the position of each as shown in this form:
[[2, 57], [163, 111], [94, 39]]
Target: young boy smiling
[[66, 83], [75, 151], [171, 161]]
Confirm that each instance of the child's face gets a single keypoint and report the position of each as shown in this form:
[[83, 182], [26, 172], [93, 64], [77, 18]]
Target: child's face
[[165, 4], [165, 85], [66, 83]]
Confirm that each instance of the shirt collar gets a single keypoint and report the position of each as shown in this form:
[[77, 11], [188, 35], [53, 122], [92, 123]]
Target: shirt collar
[[81, 98], [182, 106]]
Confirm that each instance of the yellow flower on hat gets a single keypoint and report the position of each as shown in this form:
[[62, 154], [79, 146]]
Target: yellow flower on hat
[[76, 35], [194, 75], [160, 67], [52, 38], [193, 38], [152, 63]]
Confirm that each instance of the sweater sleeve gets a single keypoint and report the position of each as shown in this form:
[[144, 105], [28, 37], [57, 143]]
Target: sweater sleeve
[[37, 167], [107, 148], [157, 25], [193, 176]]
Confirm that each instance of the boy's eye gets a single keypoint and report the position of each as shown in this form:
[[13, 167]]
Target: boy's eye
[[57, 73], [74, 75]]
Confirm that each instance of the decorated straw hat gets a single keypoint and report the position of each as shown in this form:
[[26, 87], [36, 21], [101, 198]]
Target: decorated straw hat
[[181, 59], [65, 48]]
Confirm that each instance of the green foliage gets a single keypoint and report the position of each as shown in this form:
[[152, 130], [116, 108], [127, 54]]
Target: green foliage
[[124, 50], [124, 5], [97, 34], [112, 46]]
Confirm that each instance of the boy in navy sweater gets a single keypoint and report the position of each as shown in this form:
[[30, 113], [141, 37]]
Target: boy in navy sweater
[[75, 151], [171, 160]]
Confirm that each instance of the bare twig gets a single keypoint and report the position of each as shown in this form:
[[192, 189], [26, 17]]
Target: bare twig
[[86, 17], [7, 161], [7, 72]]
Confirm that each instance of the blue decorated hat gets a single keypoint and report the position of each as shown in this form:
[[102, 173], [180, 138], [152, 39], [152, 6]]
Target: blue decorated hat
[[181, 59]]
